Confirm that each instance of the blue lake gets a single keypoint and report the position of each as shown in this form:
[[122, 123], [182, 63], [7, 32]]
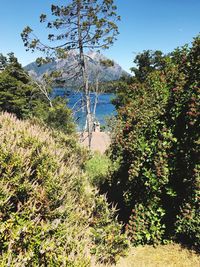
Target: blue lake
[[104, 107]]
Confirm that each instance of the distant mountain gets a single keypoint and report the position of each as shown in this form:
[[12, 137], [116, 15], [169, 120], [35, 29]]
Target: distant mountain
[[68, 67]]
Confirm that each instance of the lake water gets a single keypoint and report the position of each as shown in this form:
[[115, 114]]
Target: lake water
[[104, 107]]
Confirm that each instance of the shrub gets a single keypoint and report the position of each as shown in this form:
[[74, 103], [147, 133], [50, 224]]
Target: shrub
[[145, 225], [46, 202], [59, 116], [108, 241], [187, 224], [41, 190], [156, 148]]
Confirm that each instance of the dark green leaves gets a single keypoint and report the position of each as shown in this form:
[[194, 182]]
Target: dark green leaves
[[43, 17], [156, 147]]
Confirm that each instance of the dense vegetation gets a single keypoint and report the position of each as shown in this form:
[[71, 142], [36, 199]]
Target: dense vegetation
[[156, 149], [21, 95], [50, 214]]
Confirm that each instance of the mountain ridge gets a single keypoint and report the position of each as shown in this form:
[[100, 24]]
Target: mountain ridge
[[95, 68]]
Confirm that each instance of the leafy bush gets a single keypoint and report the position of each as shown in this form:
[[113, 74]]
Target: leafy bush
[[145, 225], [187, 224], [108, 241], [59, 116], [48, 209], [41, 190], [156, 148]]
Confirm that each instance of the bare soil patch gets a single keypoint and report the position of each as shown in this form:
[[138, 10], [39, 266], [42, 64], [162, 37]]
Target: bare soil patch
[[100, 141]]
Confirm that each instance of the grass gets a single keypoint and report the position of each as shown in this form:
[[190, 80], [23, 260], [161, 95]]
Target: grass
[[97, 168], [171, 255]]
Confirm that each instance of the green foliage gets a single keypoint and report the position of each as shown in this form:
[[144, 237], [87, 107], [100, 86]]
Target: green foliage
[[156, 150], [188, 221], [94, 27], [3, 62], [16, 92], [26, 98], [147, 62], [145, 224], [40, 190], [60, 117], [97, 168], [48, 209], [108, 241]]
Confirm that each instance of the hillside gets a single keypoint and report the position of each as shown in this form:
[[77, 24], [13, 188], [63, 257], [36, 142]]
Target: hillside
[[94, 68]]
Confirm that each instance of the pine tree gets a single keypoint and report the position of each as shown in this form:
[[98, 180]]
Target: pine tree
[[80, 25]]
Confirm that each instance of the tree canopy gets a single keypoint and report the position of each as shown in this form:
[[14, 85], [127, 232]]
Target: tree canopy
[[21, 95], [80, 25]]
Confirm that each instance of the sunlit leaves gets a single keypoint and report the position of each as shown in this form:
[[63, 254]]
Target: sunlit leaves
[[157, 146]]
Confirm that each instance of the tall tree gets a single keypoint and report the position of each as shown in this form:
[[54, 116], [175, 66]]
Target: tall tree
[[80, 25], [98, 88], [147, 62], [25, 97], [3, 62]]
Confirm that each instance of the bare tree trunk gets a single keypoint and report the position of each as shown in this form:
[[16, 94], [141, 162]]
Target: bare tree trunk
[[43, 89], [85, 77], [96, 97], [88, 107], [45, 92]]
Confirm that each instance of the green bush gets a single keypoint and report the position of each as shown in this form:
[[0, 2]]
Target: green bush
[[41, 190], [156, 148], [145, 225], [108, 241], [48, 209], [187, 224], [59, 116]]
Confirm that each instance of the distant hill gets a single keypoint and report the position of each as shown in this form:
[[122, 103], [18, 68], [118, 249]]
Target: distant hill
[[105, 73]]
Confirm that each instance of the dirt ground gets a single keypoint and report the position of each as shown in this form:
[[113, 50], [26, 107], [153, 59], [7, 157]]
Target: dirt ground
[[100, 141]]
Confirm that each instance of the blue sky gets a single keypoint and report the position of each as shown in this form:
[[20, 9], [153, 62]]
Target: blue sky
[[145, 24]]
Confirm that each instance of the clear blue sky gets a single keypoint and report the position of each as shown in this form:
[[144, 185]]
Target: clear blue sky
[[146, 24]]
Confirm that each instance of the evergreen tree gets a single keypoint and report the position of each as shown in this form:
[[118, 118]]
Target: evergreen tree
[[16, 91], [80, 25], [21, 95], [3, 62]]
